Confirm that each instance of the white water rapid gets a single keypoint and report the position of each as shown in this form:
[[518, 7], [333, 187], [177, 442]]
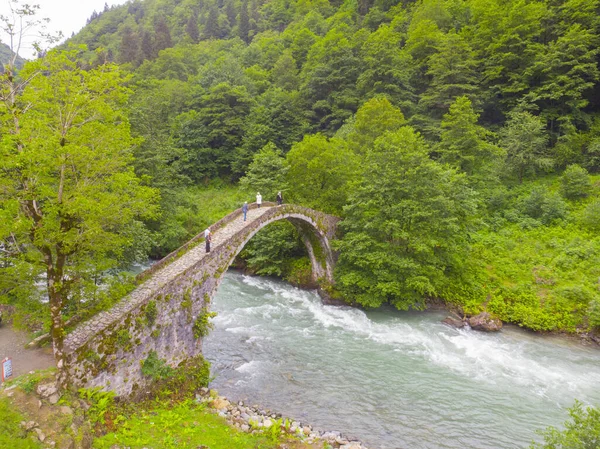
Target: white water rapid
[[392, 379]]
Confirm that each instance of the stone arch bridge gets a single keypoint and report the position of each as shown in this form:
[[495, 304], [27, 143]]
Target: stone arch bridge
[[163, 313]]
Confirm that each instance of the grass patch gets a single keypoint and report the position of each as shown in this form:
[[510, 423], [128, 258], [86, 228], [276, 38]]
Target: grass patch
[[185, 426], [11, 434]]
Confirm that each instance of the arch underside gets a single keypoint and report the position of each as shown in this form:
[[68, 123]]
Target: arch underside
[[316, 243]]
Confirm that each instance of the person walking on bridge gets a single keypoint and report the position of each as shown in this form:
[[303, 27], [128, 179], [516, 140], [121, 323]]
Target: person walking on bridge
[[279, 198], [258, 199], [245, 209], [207, 239]]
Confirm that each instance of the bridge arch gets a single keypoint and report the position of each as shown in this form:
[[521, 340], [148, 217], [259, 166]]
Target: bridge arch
[[160, 315]]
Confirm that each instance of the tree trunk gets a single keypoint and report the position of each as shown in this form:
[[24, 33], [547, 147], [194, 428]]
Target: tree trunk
[[55, 281]]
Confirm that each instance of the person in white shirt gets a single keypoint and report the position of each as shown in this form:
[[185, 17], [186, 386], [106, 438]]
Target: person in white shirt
[[258, 199]]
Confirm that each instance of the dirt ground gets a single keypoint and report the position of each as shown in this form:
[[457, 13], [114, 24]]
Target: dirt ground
[[12, 344]]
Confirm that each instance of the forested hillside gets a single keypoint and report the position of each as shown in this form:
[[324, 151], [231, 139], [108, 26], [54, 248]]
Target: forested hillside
[[459, 140]]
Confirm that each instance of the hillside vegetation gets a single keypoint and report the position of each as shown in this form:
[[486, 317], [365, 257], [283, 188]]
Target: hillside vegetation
[[458, 140]]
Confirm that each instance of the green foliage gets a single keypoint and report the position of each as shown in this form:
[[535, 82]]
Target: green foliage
[[156, 368], [525, 143], [269, 251], [11, 433], [180, 382], [150, 312], [189, 210], [320, 170], [575, 182], [463, 142], [501, 90], [405, 227], [266, 174], [590, 216], [203, 325], [100, 403], [183, 426], [544, 206], [582, 431]]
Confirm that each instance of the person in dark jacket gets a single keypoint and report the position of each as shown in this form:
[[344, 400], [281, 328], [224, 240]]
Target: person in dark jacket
[[245, 209], [279, 199], [207, 239]]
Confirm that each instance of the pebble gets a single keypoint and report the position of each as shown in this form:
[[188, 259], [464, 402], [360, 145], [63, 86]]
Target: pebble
[[256, 420]]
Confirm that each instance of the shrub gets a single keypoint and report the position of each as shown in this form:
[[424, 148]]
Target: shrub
[[202, 325], [575, 182], [590, 217], [582, 431], [543, 206], [156, 368]]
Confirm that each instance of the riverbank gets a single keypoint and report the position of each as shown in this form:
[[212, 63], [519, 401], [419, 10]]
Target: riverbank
[[32, 418]]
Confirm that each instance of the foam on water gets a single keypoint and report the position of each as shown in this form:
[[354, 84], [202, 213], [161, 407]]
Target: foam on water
[[484, 357]]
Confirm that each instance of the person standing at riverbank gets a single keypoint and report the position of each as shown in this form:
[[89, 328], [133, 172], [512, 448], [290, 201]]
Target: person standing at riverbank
[[245, 209], [258, 199], [207, 239]]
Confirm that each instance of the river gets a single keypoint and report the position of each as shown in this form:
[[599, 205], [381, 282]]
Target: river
[[392, 379]]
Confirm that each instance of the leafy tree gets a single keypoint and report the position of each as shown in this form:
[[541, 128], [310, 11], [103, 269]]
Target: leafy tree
[[575, 182], [211, 24], [388, 68], [582, 431], [547, 207], [406, 225], [329, 77], [129, 51], [453, 72], [244, 26], [68, 190], [463, 144], [320, 172], [191, 27], [162, 35], [590, 217], [372, 120], [267, 173], [563, 72], [277, 117], [506, 40], [285, 73], [525, 143], [211, 133]]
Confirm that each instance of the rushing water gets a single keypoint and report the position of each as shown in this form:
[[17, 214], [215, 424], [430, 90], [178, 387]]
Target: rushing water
[[392, 379]]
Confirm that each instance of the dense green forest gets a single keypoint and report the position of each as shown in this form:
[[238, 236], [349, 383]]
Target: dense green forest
[[459, 140]]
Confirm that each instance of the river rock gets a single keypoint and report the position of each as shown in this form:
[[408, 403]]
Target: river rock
[[29, 425], [46, 390], [40, 434], [219, 403], [485, 322], [454, 322], [352, 445]]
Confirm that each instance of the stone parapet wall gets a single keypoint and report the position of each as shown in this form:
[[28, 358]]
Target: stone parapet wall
[[163, 313]]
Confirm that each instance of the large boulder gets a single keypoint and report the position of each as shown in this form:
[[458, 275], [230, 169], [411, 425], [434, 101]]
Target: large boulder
[[485, 322]]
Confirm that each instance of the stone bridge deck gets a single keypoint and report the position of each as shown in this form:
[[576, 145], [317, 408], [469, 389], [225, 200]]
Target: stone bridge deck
[[161, 313], [159, 279]]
